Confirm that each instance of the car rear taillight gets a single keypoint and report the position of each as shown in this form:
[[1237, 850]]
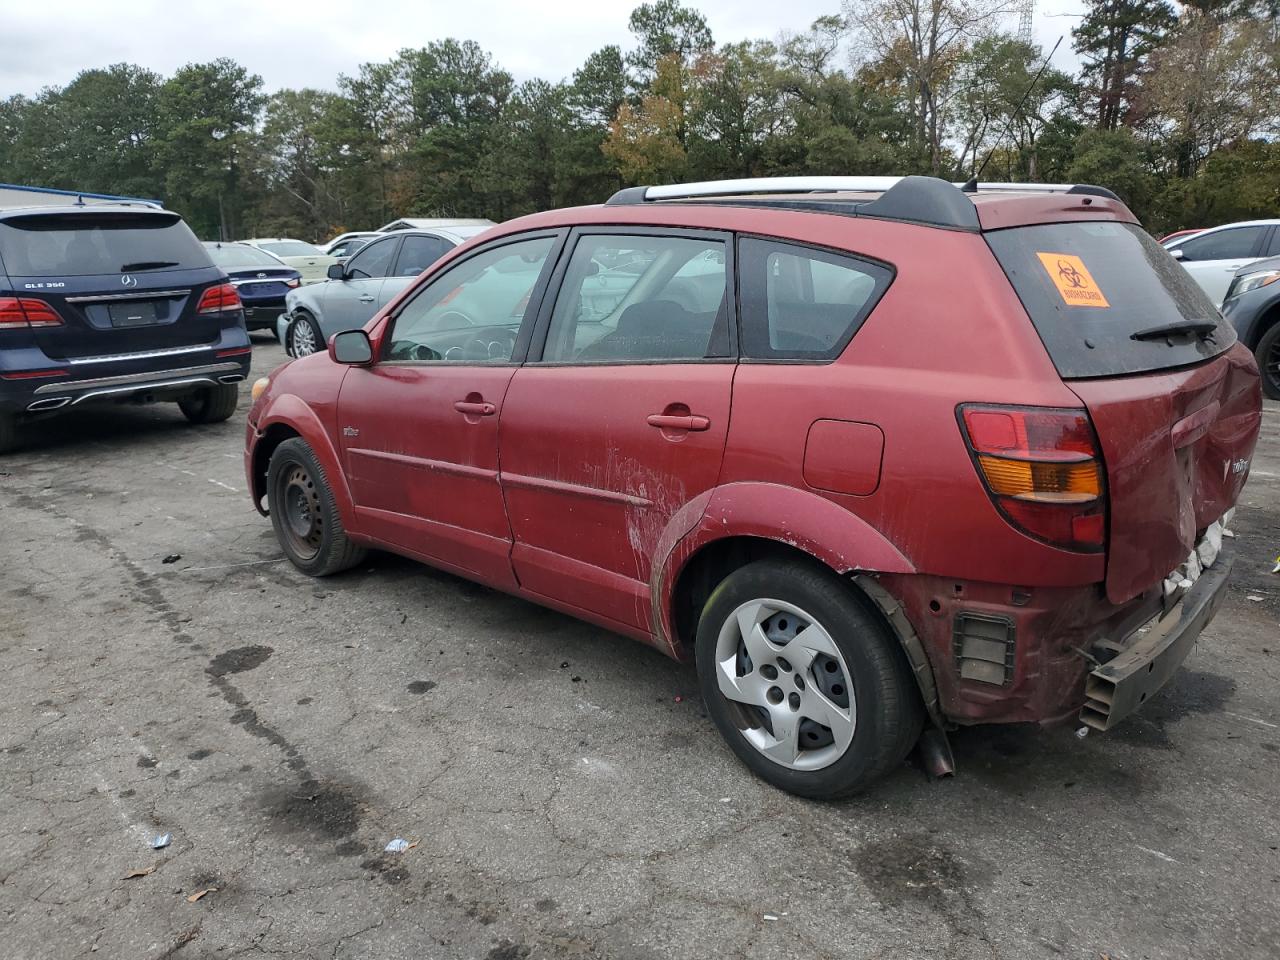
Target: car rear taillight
[[1043, 470], [292, 282], [219, 298], [27, 312]]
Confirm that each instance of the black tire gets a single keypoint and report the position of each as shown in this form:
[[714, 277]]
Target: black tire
[[8, 432], [886, 709], [303, 321], [1268, 357], [320, 546], [211, 404]]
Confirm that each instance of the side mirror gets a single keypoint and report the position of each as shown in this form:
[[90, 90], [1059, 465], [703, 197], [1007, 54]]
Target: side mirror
[[337, 271], [351, 347], [1177, 254]]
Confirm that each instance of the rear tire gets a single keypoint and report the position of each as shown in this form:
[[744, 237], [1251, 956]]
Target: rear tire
[[8, 432], [1268, 357], [824, 702], [304, 514], [211, 404], [305, 336]]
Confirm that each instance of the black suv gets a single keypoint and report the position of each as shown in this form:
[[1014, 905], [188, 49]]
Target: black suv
[[113, 302]]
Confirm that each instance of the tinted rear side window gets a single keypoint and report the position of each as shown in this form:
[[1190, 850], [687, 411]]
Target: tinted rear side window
[[87, 244], [801, 303], [1089, 287]]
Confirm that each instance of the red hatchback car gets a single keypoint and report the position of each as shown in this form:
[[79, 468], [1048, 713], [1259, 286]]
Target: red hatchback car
[[879, 454]]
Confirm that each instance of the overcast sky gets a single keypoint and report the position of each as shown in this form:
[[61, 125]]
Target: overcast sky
[[296, 43]]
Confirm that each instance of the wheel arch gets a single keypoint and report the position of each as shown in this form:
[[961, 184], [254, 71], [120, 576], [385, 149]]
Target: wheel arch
[[1269, 318], [743, 522], [287, 417]]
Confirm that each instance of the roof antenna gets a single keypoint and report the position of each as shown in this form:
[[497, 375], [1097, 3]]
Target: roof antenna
[[971, 185]]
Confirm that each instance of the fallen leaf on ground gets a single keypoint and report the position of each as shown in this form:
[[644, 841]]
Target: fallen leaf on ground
[[200, 893], [144, 872]]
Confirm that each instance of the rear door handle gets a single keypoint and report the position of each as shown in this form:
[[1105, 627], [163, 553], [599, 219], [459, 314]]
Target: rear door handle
[[666, 422], [475, 409], [366, 299]]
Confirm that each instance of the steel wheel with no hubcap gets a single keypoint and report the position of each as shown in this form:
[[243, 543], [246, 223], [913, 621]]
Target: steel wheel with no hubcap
[[788, 682], [303, 518]]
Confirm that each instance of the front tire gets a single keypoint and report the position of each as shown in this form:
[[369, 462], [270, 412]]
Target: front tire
[[304, 514], [1268, 357], [305, 336], [806, 684], [211, 404]]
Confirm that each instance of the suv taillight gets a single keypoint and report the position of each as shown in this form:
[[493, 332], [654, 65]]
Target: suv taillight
[[219, 298], [1043, 470], [27, 312]]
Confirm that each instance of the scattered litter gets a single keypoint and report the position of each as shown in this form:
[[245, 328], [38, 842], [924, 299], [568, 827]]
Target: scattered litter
[[1276, 568], [200, 894], [162, 841], [144, 872], [564, 664], [1156, 853], [1254, 598], [679, 699], [576, 679], [726, 799], [769, 916], [400, 845], [1082, 733], [172, 558]]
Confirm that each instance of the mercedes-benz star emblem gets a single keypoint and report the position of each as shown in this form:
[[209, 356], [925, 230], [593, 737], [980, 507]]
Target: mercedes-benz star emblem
[[129, 281]]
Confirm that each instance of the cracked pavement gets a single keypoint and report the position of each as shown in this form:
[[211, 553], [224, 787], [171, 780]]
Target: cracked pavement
[[565, 804]]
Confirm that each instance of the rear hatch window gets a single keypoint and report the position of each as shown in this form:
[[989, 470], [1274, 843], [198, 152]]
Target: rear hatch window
[[1107, 300], [92, 243]]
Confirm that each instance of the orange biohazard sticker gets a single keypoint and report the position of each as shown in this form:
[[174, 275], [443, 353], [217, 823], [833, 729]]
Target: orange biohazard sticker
[[1073, 280]]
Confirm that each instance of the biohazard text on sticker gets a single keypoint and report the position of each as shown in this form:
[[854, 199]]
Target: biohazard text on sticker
[[1073, 280]]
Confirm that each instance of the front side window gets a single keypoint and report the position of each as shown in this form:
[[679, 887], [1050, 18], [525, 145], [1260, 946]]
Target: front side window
[[373, 261], [419, 252], [1223, 245], [641, 298], [801, 303], [471, 313]]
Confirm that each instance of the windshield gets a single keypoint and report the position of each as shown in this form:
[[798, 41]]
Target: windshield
[[291, 248], [234, 256], [1106, 299], [89, 244]]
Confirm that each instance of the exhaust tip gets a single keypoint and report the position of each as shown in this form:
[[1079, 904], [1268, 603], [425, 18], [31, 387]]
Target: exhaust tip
[[231, 378], [48, 403]]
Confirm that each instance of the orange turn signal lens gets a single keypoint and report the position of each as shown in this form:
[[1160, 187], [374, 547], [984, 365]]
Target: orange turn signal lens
[[1040, 481]]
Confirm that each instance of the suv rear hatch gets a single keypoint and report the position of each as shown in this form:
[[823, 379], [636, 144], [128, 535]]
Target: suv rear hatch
[[123, 281], [1175, 401]]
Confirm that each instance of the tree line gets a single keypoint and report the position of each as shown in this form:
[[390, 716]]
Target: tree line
[[1175, 108]]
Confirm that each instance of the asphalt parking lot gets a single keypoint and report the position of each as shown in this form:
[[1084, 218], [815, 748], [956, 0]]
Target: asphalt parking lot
[[567, 796]]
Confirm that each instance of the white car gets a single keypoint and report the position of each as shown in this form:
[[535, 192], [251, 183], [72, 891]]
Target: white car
[[345, 244], [432, 223], [363, 285], [304, 257], [1213, 256]]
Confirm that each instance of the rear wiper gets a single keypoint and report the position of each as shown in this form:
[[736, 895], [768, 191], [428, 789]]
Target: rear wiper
[[148, 265], [1203, 328]]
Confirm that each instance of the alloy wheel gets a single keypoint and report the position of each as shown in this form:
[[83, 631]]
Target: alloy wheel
[[302, 338], [788, 683]]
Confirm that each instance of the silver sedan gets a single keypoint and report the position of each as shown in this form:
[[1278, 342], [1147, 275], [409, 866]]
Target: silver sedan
[[362, 286]]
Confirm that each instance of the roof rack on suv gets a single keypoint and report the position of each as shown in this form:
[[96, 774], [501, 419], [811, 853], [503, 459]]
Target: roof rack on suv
[[919, 199]]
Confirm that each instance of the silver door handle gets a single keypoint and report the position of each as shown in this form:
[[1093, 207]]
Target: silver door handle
[[366, 299]]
